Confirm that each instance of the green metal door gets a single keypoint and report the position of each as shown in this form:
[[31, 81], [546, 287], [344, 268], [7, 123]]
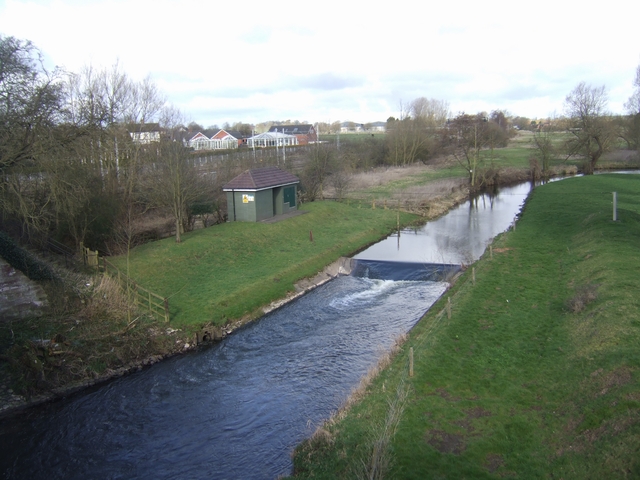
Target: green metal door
[[290, 196]]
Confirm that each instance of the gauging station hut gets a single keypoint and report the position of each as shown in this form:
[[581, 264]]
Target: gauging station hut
[[261, 193]]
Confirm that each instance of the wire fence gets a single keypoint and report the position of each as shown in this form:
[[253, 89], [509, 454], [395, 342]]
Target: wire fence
[[156, 305]]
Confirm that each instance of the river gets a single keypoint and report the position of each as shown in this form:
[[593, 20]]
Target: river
[[237, 409]]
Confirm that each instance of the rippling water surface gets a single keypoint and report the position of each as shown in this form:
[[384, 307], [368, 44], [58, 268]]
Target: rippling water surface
[[235, 410]]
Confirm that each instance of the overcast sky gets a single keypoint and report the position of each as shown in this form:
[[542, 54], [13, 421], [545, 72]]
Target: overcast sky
[[254, 61]]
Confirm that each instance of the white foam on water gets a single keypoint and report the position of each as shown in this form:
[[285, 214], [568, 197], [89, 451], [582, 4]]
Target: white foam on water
[[376, 289]]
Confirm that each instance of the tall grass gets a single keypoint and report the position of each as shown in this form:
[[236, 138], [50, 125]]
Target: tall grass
[[377, 463]]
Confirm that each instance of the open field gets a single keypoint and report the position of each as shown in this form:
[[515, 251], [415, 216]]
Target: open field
[[413, 184], [537, 372]]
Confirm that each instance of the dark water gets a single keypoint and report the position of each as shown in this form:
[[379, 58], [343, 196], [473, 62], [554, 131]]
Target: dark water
[[237, 409], [233, 411]]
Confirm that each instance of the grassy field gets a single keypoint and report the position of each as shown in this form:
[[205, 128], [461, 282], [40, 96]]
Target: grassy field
[[229, 271], [512, 163], [537, 372], [352, 138]]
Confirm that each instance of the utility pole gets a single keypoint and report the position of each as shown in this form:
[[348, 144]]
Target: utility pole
[[284, 153], [253, 143]]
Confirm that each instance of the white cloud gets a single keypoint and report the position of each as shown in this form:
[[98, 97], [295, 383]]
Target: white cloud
[[257, 61]]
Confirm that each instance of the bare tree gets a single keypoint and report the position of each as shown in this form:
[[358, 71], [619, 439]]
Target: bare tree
[[590, 127], [320, 164], [468, 135], [67, 159], [30, 104], [146, 102], [633, 104], [341, 177], [30, 99], [173, 181], [431, 112], [544, 149], [415, 135], [630, 125]]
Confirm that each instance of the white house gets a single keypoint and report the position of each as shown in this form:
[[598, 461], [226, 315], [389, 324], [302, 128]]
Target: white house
[[145, 133], [377, 127], [221, 140], [351, 127], [199, 142]]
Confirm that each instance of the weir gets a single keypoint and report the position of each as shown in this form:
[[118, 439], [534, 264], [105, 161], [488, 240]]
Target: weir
[[398, 271]]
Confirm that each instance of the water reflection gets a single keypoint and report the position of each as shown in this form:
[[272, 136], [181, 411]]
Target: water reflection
[[459, 237]]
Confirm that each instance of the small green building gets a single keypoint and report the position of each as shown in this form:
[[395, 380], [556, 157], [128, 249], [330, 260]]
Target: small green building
[[261, 193]]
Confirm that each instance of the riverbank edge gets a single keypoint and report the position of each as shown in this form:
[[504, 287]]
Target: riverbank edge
[[209, 335], [323, 436]]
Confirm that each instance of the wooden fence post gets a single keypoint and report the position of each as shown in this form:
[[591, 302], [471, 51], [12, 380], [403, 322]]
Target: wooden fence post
[[473, 275], [92, 258], [411, 362], [448, 307]]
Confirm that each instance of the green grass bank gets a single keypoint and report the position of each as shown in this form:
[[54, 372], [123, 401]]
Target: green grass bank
[[536, 374], [230, 271]]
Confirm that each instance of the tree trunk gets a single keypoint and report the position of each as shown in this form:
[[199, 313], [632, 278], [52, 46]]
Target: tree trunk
[[178, 227]]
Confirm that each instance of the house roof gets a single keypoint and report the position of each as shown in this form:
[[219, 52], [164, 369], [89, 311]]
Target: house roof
[[143, 127], [235, 134], [293, 129], [260, 179], [197, 136], [271, 136]]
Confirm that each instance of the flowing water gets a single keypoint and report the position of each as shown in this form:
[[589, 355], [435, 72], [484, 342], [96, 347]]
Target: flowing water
[[237, 409]]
